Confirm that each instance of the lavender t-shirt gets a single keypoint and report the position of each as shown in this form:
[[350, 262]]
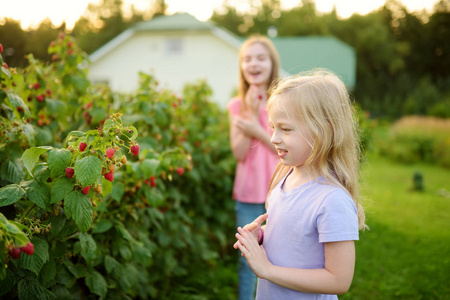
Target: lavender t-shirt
[[299, 222]]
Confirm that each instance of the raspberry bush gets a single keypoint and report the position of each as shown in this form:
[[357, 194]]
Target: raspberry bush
[[109, 195]]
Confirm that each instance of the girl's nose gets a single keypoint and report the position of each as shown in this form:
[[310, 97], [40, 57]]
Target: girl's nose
[[275, 138]]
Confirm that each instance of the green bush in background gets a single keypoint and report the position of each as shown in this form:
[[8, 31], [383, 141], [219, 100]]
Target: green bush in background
[[417, 139]]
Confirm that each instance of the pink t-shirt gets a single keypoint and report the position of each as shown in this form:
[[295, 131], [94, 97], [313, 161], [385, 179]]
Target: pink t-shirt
[[251, 183]]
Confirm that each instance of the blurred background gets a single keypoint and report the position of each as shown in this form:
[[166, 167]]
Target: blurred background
[[393, 55]]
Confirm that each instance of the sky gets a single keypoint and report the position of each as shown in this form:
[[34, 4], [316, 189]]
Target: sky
[[32, 12]]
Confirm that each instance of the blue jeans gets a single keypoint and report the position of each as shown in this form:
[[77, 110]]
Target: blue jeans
[[245, 214]]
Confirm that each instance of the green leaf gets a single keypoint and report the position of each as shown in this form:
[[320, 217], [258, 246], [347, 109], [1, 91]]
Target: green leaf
[[79, 207], [10, 171], [8, 282], [28, 132], [10, 194], [30, 288], [61, 188], [36, 261], [88, 170], [16, 101], [124, 233], [78, 270], [149, 166], [55, 107], [111, 264], [31, 156], [48, 272], [97, 284], [102, 226], [39, 194], [58, 160], [98, 114], [88, 246], [117, 191]]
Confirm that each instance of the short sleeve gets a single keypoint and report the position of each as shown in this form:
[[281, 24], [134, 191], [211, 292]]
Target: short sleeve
[[337, 218], [234, 106]]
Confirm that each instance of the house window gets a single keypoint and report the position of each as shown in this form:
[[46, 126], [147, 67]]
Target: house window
[[174, 46]]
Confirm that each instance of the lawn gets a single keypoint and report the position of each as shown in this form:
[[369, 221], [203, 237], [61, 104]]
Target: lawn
[[406, 252]]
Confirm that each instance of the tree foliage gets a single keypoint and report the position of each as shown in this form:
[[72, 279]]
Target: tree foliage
[[399, 53]]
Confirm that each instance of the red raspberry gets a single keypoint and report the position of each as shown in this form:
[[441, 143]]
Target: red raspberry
[[109, 153], [36, 85], [135, 149], [152, 181], [180, 171], [15, 253], [70, 172], [109, 176], [86, 190], [40, 98], [83, 146], [28, 249], [1, 48]]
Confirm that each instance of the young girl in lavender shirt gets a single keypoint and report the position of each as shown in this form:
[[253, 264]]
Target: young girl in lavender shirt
[[306, 249]]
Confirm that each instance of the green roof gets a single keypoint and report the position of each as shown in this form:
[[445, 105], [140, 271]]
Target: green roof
[[304, 53], [179, 21]]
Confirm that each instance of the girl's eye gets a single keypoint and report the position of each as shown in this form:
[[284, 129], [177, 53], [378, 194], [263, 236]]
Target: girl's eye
[[286, 129]]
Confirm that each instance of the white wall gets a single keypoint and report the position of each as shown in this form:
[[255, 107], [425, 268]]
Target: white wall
[[203, 56]]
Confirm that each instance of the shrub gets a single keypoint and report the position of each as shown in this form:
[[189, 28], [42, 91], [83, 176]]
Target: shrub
[[151, 215], [414, 138]]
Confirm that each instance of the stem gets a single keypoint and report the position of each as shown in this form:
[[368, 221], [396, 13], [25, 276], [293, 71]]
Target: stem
[[73, 235], [27, 212]]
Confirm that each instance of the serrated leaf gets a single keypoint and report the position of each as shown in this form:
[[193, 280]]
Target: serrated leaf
[[149, 166], [39, 194], [88, 170], [88, 246], [10, 194], [102, 226], [31, 156], [97, 284], [36, 261], [30, 288], [10, 171], [61, 188], [8, 282], [79, 207], [58, 160]]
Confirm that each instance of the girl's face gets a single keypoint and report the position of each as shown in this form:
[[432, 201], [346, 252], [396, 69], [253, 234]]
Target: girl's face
[[256, 64], [290, 138]]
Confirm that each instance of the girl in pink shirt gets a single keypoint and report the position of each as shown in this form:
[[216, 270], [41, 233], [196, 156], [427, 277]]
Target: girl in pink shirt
[[250, 140]]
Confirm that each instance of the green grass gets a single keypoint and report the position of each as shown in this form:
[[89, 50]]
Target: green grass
[[406, 252]]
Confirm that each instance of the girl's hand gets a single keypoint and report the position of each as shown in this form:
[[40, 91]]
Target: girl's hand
[[254, 228], [249, 125], [255, 95], [253, 252]]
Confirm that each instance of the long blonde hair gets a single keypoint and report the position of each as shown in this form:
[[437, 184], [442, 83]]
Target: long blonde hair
[[273, 55], [320, 100]]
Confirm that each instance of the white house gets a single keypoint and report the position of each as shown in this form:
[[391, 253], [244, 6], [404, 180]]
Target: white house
[[180, 49]]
